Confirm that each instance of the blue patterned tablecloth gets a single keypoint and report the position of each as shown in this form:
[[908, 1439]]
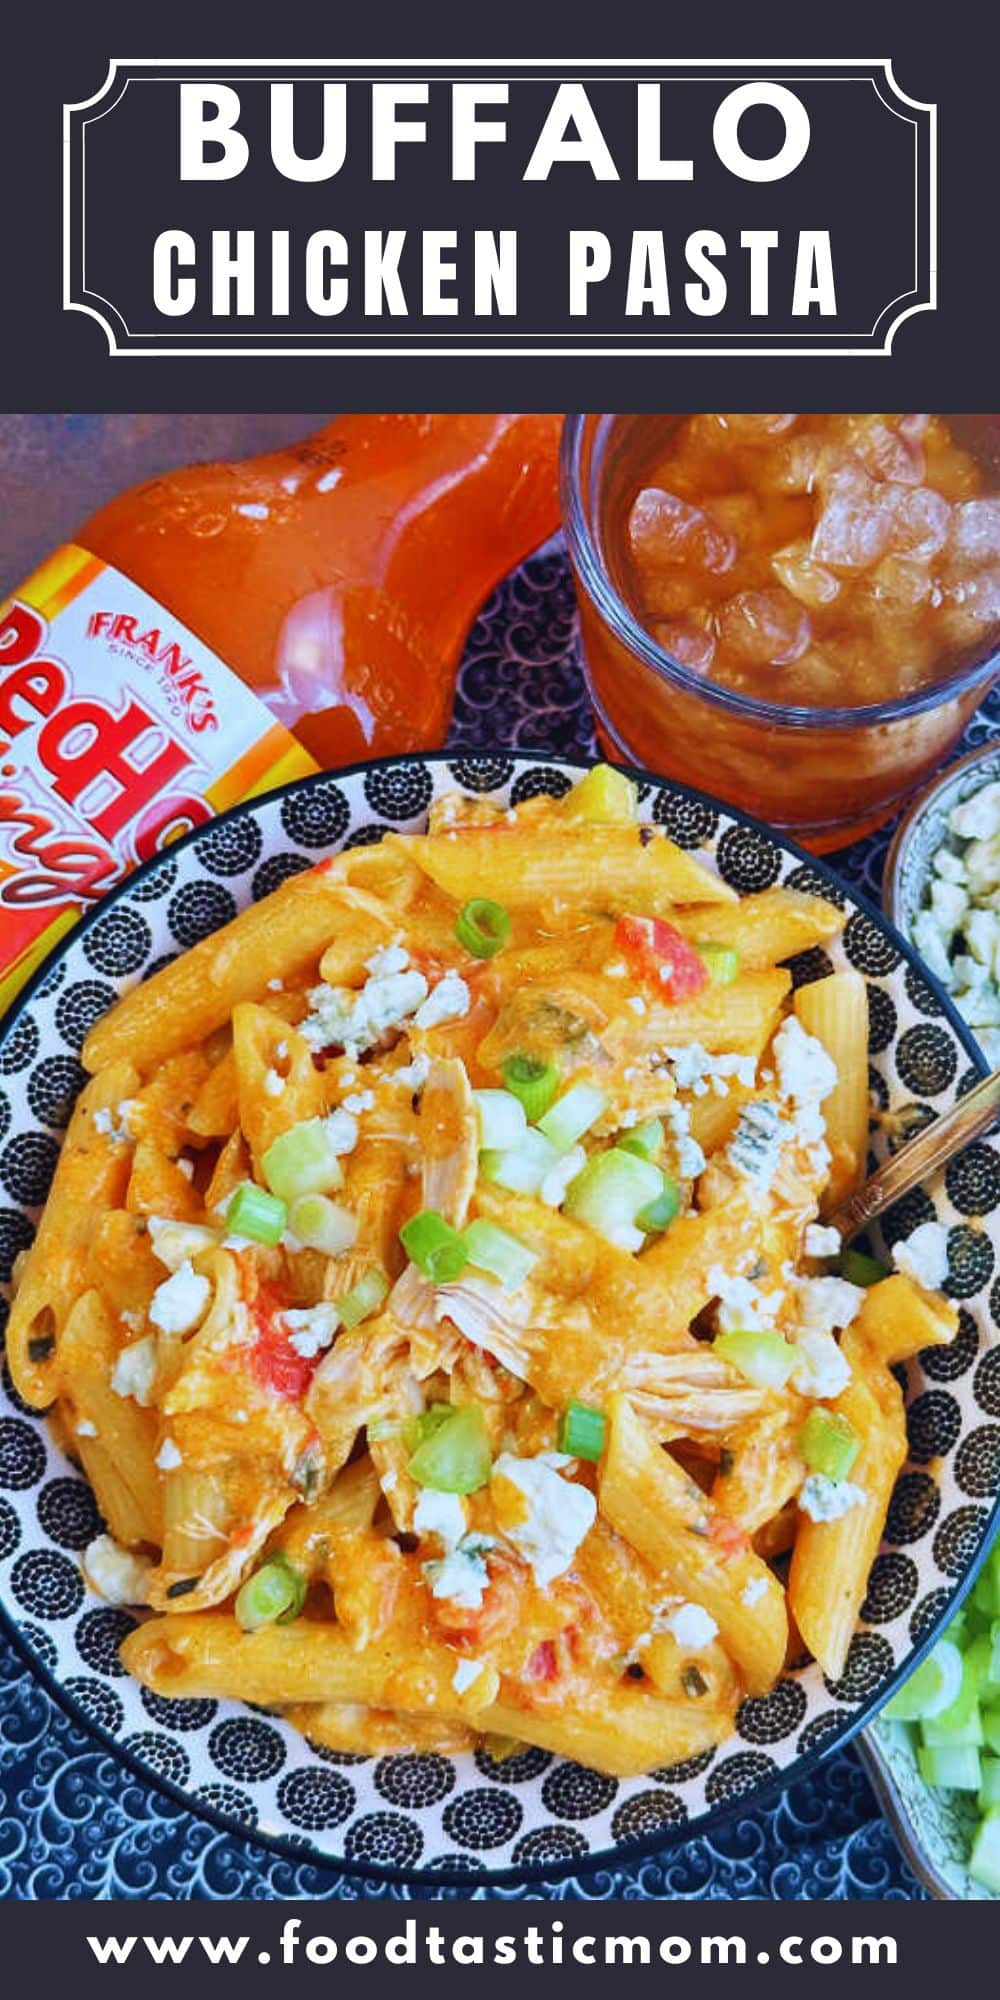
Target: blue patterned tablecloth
[[74, 1823]]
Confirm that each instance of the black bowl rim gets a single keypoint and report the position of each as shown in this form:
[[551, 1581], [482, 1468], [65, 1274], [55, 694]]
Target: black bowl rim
[[643, 1847]]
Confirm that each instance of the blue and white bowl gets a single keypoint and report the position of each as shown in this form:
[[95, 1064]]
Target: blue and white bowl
[[465, 1818]]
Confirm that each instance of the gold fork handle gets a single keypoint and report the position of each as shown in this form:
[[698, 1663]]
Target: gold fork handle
[[921, 1157]]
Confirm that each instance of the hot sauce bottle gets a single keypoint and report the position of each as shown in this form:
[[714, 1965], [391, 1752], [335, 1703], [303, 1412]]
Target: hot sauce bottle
[[339, 577], [229, 627]]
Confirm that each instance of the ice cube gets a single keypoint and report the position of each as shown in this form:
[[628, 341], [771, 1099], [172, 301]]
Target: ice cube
[[855, 525], [764, 628], [900, 583], [974, 536], [688, 641], [878, 443], [921, 519], [807, 580], [972, 608], [749, 425], [791, 465], [663, 529]]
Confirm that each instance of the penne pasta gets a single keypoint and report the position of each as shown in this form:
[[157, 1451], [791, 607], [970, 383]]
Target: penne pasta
[[489, 1406], [766, 928], [603, 867], [831, 1559], [90, 1178], [657, 1508], [187, 1000], [835, 1010]]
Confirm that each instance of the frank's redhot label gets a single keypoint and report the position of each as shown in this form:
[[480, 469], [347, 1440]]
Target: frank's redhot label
[[119, 730]]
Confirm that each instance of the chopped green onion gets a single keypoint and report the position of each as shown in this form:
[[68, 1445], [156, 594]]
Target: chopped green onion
[[609, 1193], [521, 1168], [434, 1246], [605, 797], [828, 1443], [482, 927], [496, 1251], [501, 1118], [303, 1161], [254, 1213], [572, 1115], [956, 1768], [721, 962], [645, 1139], [763, 1358], [583, 1431], [274, 1595], [321, 1225], [533, 1083], [660, 1213], [984, 1861], [991, 1730], [363, 1299], [455, 1457], [931, 1688], [861, 1270]]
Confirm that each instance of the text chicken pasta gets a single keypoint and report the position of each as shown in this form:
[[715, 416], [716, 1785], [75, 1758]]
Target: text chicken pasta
[[435, 1289]]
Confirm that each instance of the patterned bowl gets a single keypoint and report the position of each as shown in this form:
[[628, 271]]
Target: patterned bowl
[[932, 1827], [465, 1818]]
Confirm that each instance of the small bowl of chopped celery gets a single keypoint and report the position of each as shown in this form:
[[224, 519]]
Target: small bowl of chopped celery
[[942, 888], [934, 1753]]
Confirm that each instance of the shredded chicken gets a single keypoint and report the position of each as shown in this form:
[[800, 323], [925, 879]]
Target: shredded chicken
[[449, 1131]]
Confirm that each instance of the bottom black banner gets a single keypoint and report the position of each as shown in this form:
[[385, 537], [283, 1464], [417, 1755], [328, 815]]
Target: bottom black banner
[[753, 1945]]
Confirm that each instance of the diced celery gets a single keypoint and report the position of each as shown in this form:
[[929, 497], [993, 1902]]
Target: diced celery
[[455, 1457], [721, 961], [520, 1168], [605, 797], [572, 1115], [645, 1139], [984, 1861], [659, 1214], [966, 1734], [828, 1443], [583, 1431], [859, 1269], [303, 1160], [763, 1358], [954, 1767], [991, 1729], [609, 1193], [501, 1118], [931, 1688], [989, 1790]]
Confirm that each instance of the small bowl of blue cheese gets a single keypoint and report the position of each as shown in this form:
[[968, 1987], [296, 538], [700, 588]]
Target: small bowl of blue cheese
[[942, 888]]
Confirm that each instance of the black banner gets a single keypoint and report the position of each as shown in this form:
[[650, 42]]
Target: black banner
[[888, 1948], [377, 206], [863, 277]]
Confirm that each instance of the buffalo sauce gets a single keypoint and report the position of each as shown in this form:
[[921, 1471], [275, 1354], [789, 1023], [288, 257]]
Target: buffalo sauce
[[229, 627]]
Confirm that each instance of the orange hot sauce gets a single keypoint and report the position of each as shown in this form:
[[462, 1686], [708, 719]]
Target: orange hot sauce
[[339, 577]]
